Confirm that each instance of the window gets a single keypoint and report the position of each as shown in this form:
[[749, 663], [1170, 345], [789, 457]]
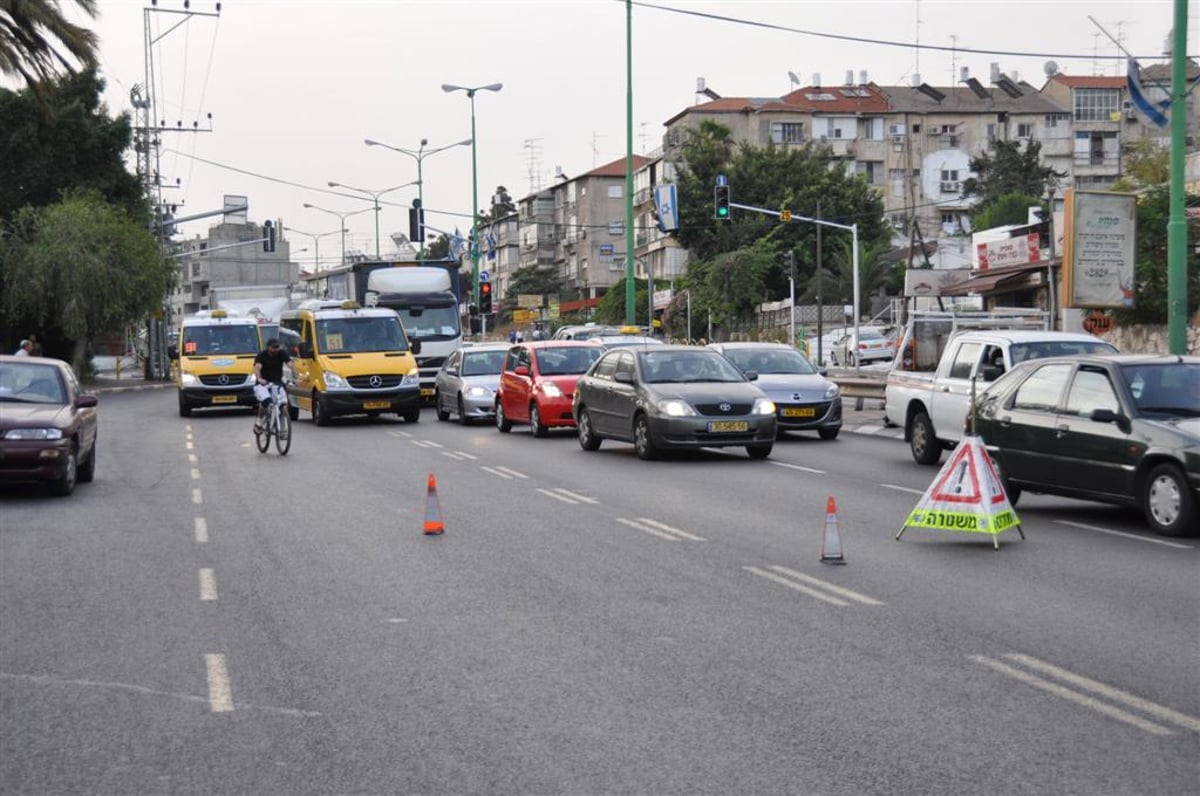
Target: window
[[625, 364], [949, 218], [1025, 130], [949, 175], [616, 191], [992, 131], [1090, 390], [916, 129], [604, 369], [787, 132], [1096, 104], [964, 361], [1041, 391], [616, 228]]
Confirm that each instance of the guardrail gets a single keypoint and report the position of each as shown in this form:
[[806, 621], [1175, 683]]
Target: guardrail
[[860, 389]]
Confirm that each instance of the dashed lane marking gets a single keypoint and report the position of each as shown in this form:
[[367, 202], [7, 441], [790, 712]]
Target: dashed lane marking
[[797, 467], [1133, 536], [196, 498], [910, 490], [841, 591], [661, 530], [195, 474], [208, 585], [201, 530], [220, 697], [791, 584]]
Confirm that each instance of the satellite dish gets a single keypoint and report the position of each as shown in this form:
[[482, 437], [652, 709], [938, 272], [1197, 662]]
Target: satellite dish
[[793, 78], [1050, 68]]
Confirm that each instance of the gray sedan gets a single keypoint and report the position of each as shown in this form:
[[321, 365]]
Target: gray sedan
[[672, 397], [466, 384], [804, 399]]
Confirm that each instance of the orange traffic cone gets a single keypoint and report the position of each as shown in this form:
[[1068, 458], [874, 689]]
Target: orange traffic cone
[[831, 547], [433, 512]]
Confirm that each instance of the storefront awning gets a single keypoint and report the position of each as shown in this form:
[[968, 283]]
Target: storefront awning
[[996, 280]]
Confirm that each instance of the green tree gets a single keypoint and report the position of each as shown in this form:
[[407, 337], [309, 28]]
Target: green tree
[[530, 280], [611, 308], [78, 269], [36, 39], [1012, 169], [1146, 164], [1009, 209], [1150, 268]]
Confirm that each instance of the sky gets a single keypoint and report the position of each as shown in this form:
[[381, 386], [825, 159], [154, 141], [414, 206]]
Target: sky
[[295, 86]]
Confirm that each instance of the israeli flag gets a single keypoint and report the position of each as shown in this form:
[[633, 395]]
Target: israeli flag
[[1153, 112], [491, 246], [457, 245], [666, 207]]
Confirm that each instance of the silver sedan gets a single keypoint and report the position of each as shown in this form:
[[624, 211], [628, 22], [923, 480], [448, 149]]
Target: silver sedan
[[466, 384]]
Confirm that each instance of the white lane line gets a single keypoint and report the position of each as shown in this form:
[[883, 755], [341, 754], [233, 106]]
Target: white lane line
[[193, 458], [670, 529], [455, 455], [201, 530], [1073, 696], [648, 529], [840, 590], [1133, 536], [791, 584], [189, 446], [208, 585], [400, 434], [220, 698], [1153, 708], [797, 467], [195, 474], [466, 455], [576, 496], [512, 472], [426, 443], [556, 496], [188, 428], [494, 471], [910, 490], [196, 497], [188, 436]]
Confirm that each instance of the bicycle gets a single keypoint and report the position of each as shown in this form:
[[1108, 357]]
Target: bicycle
[[278, 422]]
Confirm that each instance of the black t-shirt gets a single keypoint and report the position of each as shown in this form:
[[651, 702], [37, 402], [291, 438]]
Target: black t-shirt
[[272, 363]]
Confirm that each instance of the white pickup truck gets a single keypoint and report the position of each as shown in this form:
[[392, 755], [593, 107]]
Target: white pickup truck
[[932, 406]]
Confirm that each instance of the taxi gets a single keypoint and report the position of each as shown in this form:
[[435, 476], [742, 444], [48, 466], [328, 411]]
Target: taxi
[[212, 364]]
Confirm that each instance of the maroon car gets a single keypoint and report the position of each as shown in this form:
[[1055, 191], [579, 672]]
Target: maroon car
[[47, 425]]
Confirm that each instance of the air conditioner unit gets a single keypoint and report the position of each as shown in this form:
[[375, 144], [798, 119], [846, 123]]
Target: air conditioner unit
[[951, 187], [897, 139]]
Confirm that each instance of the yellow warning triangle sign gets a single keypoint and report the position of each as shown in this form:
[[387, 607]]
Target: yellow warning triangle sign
[[967, 495]]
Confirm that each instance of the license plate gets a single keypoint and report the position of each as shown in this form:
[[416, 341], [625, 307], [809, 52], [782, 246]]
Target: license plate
[[377, 404], [728, 425], [224, 399], [799, 412], [426, 392]]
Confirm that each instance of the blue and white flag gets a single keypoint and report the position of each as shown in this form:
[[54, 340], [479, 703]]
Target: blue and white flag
[[457, 245], [491, 246], [666, 207], [1152, 111]]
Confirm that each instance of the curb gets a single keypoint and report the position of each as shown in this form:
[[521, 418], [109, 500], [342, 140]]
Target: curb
[[131, 386]]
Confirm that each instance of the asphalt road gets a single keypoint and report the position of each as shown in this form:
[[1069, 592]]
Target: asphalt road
[[207, 619]]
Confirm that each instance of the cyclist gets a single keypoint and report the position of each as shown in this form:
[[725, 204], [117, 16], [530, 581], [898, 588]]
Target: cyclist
[[268, 370]]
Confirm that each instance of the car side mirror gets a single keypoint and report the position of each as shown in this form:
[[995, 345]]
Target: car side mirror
[[624, 377], [1109, 416], [521, 370], [415, 345], [305, 350], [822, 371], [752, 375], [991, 372], [452, 371], [84, 401]]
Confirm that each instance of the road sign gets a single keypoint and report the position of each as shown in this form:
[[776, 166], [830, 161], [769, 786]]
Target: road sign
[[483, 276]]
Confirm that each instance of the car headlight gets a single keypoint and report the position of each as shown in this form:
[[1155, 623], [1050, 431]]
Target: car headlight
[[34, 433], [832, 391], [335, 382], [763, 406], [478, 392], [551, 390], [412, 378], [673, 407], [188, 379]]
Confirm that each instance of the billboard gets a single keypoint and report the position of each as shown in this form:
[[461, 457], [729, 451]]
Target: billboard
[[1098, 254]]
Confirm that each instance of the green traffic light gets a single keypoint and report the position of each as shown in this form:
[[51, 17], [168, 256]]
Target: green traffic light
[[722, 211]]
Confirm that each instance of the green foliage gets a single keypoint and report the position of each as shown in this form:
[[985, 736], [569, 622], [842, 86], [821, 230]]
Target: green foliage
[[1150, 270], [439, 249], [69, 142], [836, 283], [1146, 164], [731, 285], [1011, 170], [34, 35], [611, 308], [530, 280], [1009, 209], [80, 268]]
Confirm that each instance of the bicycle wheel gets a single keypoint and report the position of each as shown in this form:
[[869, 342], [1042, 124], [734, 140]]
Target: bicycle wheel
[[263, 438], [283, 430]]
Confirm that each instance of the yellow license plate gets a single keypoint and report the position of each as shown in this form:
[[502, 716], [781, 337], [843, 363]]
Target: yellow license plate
[[426, 392], [377, 404], [728, 425], [798, 412], [224, 399]]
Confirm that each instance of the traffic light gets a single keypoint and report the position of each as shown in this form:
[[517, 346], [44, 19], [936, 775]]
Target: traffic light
[[416, 223], [268, 236], [721, 202], [485, 298]]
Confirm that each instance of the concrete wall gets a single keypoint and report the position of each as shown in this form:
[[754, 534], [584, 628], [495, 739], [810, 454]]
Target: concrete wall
[[1150, 339]]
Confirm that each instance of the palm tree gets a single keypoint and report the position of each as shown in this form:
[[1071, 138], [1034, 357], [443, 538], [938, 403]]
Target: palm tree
[[35, 39]]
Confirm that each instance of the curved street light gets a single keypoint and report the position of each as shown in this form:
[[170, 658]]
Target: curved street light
[[470, 92], [418, 155], [342, 218], [374, 199], [316, 237]]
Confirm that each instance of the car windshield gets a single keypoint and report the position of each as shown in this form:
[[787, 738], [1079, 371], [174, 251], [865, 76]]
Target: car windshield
[[771, 360], [873, 335], [31, 383], [567, 361], [207, 340], [1168, 388], [483, 363], [361, 333], [1023, 352], [677, 367], [431, 323]]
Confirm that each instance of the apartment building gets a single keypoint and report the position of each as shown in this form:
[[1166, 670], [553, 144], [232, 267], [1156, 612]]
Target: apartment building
[[230, 255]]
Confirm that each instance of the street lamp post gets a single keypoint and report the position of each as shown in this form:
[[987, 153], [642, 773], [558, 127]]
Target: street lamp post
[[375, 201], [448, 88], [342, 218], [419, 155], [316, 237]]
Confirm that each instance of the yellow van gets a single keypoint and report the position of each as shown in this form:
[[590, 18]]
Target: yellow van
[[350, 360], [213, 362]]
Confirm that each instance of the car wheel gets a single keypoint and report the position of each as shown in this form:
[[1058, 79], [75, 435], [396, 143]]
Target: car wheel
[[535, 422], [758, 451], [87, 471], [502, 421], [412, 415], [66, 485], [1167, 502], [184, 409], [442, 414], [587, 438], [293, 412], [1013, 492], [828, 433], [462, 412], [643, 443], [320, 412], [924, 444]]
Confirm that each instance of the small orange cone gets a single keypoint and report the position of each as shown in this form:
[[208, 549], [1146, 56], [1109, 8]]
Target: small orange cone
[[831, 547], [433, 512]]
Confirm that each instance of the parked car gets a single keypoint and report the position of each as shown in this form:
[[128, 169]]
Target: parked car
[[672, 397], [48, 424], [584, 331], [627, 340], [538, 383], [1122, 428], [871, 345], [467, 382], [804, 399]]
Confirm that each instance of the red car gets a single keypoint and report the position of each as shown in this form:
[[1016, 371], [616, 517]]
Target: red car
[[537, 383]]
